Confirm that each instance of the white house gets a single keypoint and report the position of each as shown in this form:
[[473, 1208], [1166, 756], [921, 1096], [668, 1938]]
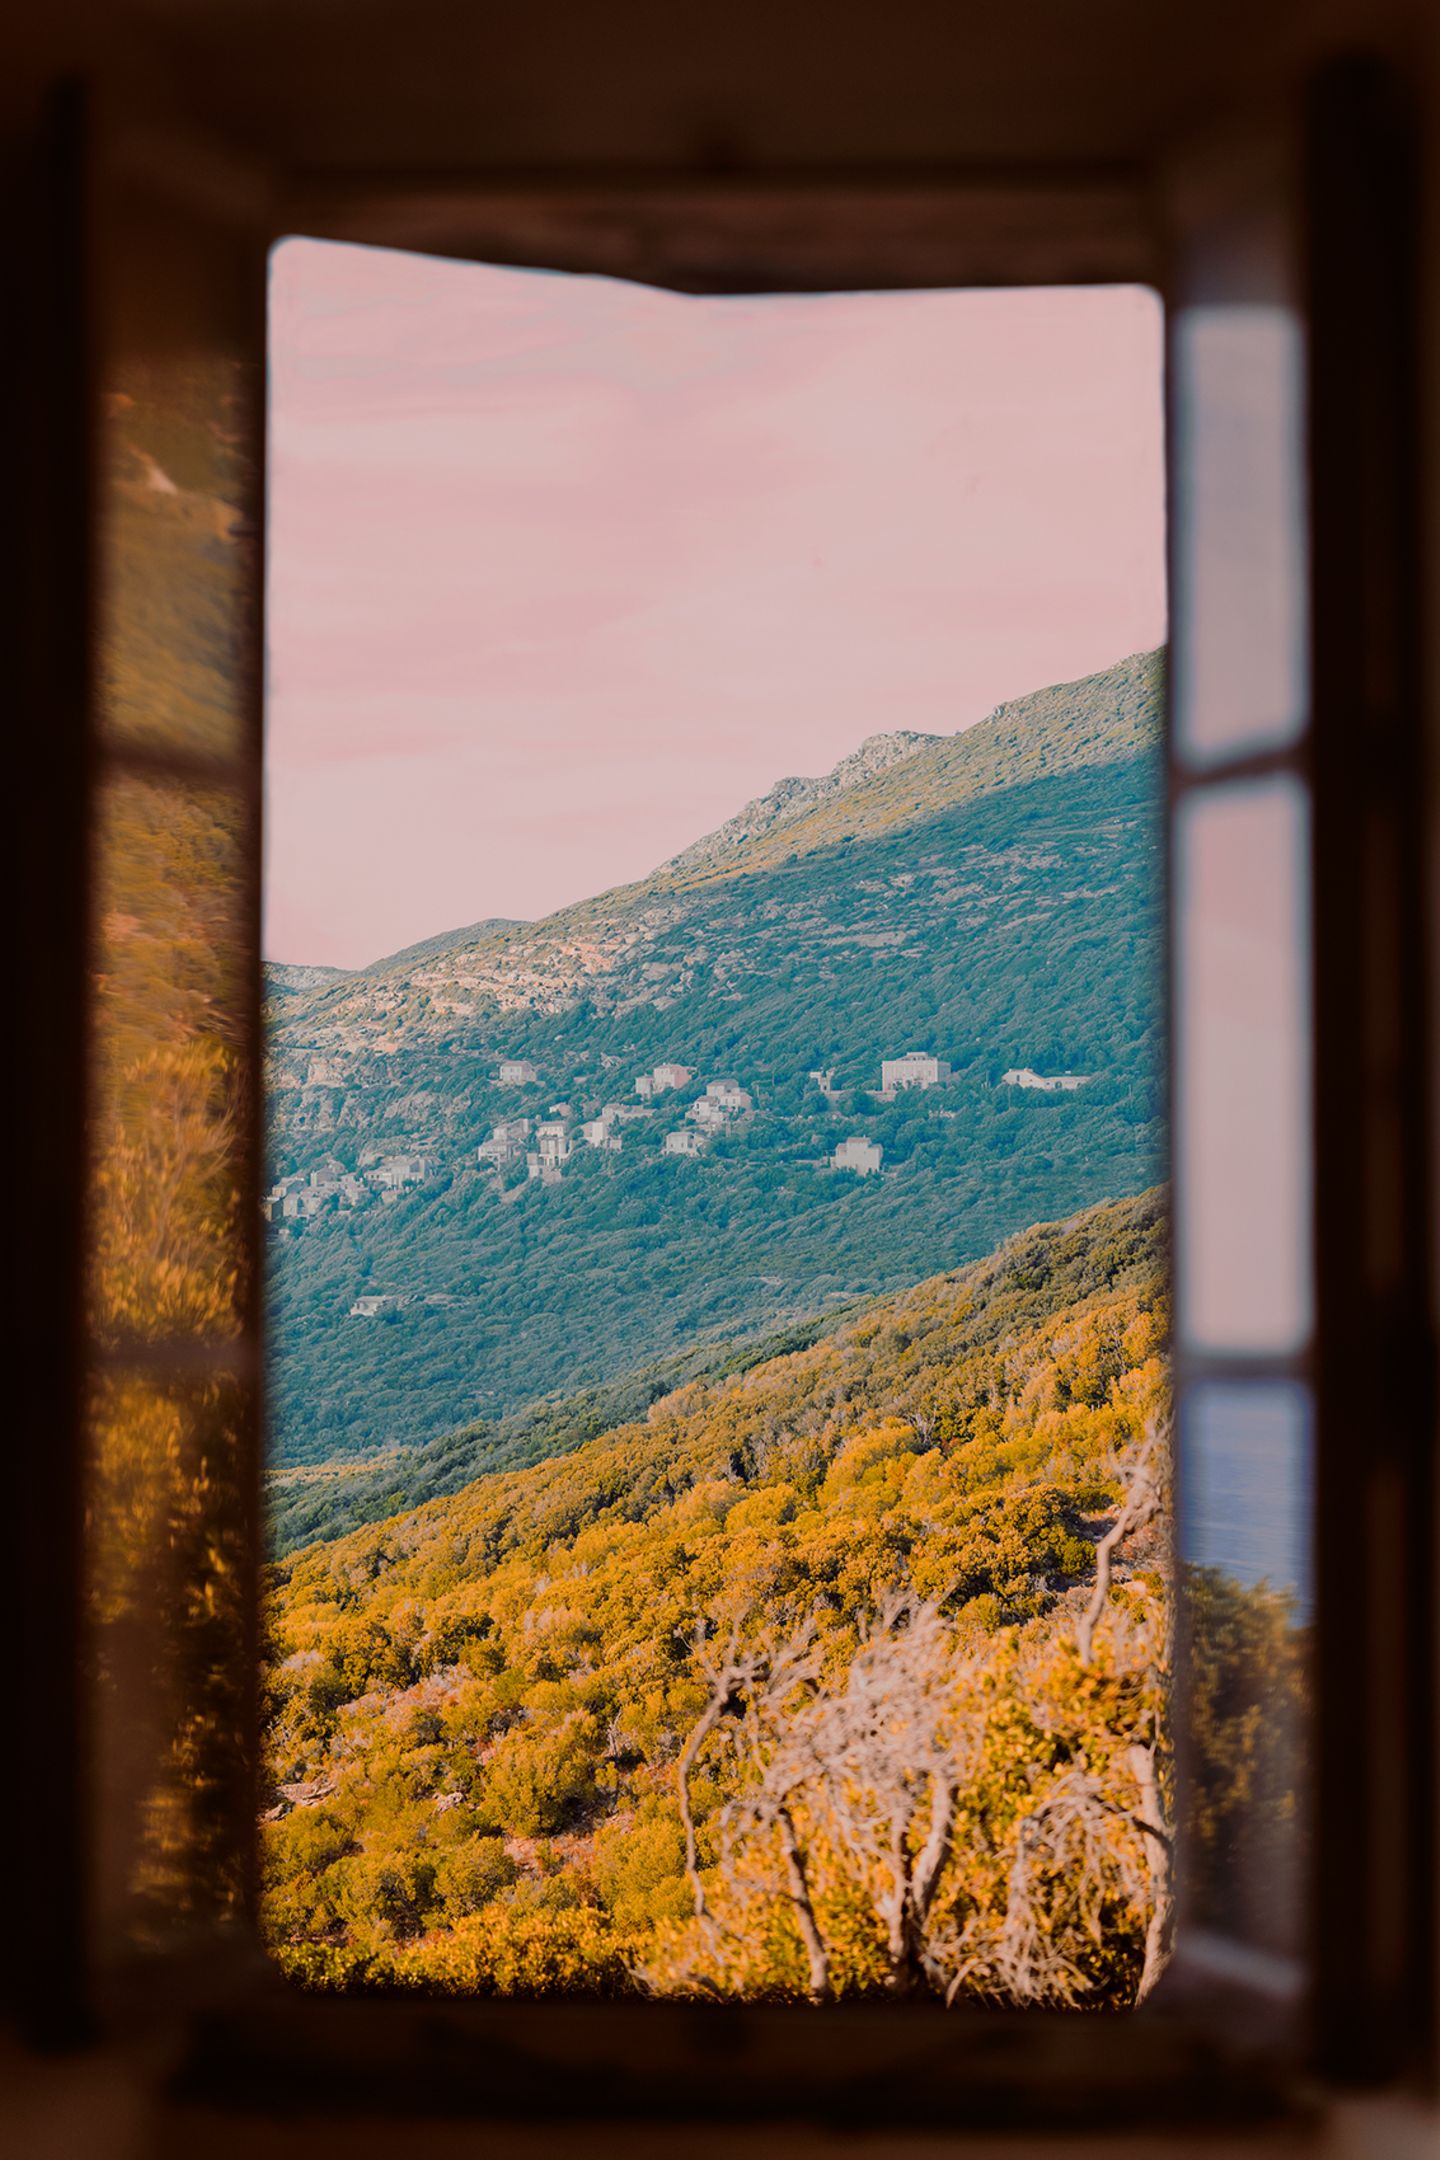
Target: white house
[[916, 1069], [671, 1076], [598, 1133], [731, 1098], [517, 1072], [395, 1171], [858, 1154], [645, 1086], [683, 1143], [550, 1152], [300, 1206], [1023, 1076], [506, 1143], [365, 1308]]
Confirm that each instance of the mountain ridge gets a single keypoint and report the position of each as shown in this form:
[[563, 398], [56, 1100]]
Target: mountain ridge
[[1103, 718], [793, 796]]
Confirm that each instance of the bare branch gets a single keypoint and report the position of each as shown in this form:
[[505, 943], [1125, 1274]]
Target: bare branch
[[1140, 1505], [810, 1936], [1151, 1819]]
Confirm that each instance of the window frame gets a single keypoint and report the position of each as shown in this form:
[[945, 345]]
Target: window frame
[[1212, 2044]]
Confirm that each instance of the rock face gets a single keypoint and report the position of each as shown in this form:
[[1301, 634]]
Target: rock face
[[791, 798]]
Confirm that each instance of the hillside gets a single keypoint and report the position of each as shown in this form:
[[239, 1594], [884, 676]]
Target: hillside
[[992, 897], [598, 949], [307, 1504], [489, 1719]]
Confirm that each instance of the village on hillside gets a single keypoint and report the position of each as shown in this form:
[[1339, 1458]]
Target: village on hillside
[[547, 1144]]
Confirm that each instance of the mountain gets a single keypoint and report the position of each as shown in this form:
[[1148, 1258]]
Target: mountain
[[790, 799], [992, 898]]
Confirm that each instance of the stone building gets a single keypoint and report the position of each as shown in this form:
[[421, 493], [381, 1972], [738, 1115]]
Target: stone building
[[858, 1154]]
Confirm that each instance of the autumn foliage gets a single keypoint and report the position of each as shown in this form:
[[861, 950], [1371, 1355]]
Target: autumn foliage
[[803, 1688]]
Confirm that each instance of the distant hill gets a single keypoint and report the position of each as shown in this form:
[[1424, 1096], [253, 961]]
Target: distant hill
[[432, 948], [285, 978], [991, 897]]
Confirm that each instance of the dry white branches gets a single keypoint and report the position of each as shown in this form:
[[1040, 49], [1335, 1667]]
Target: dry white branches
[[850, 1763]]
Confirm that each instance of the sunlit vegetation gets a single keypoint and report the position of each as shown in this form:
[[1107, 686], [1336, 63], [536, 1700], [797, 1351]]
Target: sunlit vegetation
[[849, 1674]]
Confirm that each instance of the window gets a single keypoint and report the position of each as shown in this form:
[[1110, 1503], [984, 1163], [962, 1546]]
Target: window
[[655, 1231], [175, 1351]]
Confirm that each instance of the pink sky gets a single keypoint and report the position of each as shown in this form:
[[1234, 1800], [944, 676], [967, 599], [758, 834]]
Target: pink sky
[[563, 570]]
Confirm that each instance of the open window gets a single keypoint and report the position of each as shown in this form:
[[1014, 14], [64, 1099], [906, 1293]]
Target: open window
[[1297, 1055]]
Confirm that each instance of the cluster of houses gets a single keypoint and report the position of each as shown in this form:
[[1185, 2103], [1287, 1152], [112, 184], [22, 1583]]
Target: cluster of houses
[[547, 1144], [307, 1193], [708, 1114]]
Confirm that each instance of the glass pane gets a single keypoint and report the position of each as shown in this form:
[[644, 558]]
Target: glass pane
[[1245, 1545], [165, 1577], [167, 1587], [1242, 1123], [1238, 529], [168, 1085], [1246, 1483], [178, 480]]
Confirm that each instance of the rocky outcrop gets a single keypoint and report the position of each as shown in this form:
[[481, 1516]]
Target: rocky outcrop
[[791, 798]]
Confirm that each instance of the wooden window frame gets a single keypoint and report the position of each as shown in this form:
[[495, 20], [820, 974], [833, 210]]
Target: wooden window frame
[[1207, 2046]]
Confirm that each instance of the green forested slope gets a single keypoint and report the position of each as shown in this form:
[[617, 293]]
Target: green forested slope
[[1015, 925], [307, 1504]]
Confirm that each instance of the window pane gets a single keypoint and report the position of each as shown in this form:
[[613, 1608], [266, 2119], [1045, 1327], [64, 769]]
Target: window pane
[[1241, 1097], [167, 1431], [1245, 1544], [168, 1086], [1246, 1482], [177, 478], [167, 1587], [1238, 534]]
